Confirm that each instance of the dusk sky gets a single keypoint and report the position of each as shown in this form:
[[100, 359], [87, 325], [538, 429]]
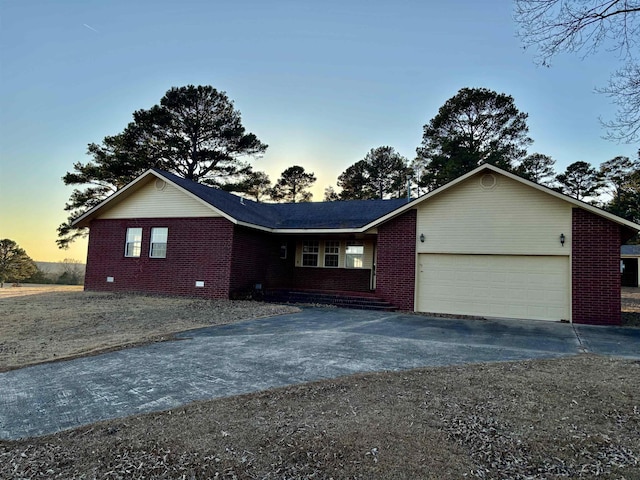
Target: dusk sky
[[320, 82]]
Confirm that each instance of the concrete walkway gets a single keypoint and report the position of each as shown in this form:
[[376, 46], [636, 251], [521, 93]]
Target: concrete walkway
[[314, 344]]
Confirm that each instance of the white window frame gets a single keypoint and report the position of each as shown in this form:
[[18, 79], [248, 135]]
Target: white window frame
[[331, 250], [351, 259], [310, 249], [133, 242], [158, 242]]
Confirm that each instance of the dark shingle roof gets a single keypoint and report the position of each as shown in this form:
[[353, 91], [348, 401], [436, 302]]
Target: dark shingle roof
[[305, 215]]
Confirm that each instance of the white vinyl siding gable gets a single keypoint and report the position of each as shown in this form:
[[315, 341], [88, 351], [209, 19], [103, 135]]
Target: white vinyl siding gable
[[153, 202], [510, 218]]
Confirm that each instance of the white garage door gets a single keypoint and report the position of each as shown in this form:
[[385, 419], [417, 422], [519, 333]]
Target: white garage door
[[511, 286]]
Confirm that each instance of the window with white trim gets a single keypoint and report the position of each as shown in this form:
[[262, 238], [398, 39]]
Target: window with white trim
[[133, 243], [158, 247], [331, 253], [310, 249], [354, 257]]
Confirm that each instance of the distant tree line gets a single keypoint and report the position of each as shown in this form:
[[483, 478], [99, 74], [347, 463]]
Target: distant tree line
[[17, 267]]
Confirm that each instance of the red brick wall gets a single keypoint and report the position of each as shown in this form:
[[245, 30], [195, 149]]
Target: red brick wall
[[197, 249], [280, 271], [396, 264], [345, 279], [595, 269], [252, 253]]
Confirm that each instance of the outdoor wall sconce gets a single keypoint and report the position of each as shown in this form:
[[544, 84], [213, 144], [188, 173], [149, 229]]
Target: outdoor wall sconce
[[562, 239], [422, 237]]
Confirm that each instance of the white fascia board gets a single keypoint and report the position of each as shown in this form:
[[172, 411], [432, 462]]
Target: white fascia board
[[303, 231], [253, 226], [131, 187], [324, 231]]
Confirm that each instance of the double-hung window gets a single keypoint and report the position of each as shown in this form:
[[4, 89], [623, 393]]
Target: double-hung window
[[310, 251], [331, 253], [133, 244], [158, 248], [354, 255]]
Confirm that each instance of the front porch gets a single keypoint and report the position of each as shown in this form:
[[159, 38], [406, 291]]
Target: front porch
[[342, 299]]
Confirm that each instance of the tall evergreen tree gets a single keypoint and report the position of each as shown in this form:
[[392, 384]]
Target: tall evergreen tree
[[538, 168], [383, 173], [255, 184], [194, 132], [15, 264], [475, 126], [622, 176], [616, 174], [354, 182], [330, 194], [580, 180], [293, 184]]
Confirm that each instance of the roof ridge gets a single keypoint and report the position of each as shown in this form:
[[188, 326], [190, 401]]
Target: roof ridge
[[336, 214]]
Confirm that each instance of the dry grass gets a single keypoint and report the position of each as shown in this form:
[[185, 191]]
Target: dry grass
[[576, 417], [38, 327]]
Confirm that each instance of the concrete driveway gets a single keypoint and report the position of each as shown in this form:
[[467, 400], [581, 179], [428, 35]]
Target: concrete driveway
[[314, 344]]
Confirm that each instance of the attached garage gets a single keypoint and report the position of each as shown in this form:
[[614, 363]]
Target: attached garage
[[490, 246], [511, 286]]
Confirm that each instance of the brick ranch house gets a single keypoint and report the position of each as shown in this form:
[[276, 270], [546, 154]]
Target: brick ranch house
[[487, 244]]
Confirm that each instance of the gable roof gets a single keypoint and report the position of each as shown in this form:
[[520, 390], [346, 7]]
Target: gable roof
[[339, 216], [350, 216], [491, 168]]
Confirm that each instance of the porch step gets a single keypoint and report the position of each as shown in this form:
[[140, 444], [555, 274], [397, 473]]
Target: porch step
[[356, 300]]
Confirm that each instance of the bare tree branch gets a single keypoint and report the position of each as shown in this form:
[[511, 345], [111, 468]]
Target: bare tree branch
[[583, 27]]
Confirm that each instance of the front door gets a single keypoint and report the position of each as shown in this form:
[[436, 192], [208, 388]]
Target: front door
[[629, 272]]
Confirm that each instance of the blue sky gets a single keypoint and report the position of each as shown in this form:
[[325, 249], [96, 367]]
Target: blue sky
[[320, 82]]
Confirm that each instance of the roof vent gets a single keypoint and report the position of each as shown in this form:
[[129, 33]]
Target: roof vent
[[488, 181], [160, 184], [242, 200]]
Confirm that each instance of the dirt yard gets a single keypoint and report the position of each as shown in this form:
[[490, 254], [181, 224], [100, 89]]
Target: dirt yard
[[576, 417], [47, 323], [631, 306]]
